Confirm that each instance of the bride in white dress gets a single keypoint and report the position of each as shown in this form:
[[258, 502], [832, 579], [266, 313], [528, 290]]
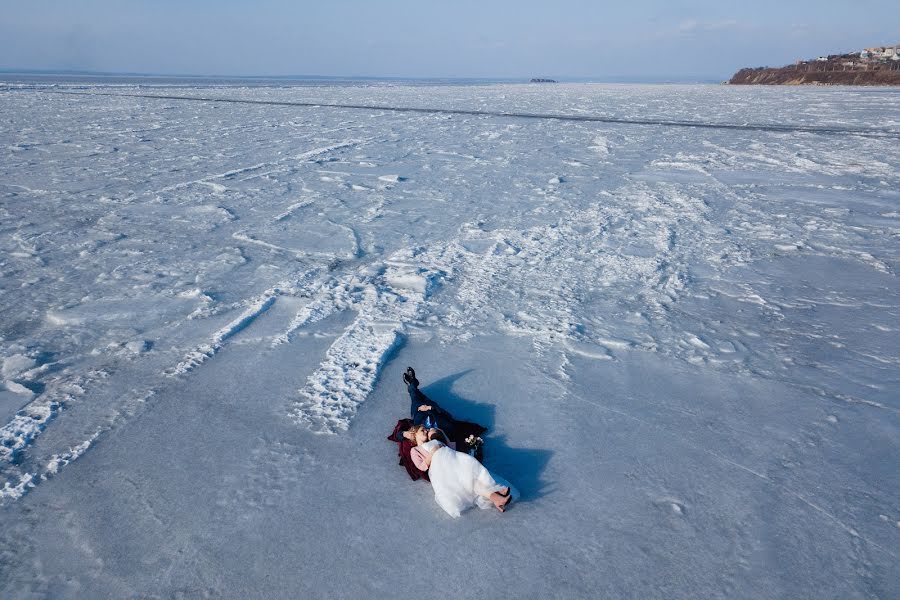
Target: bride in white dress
[[459, 480]]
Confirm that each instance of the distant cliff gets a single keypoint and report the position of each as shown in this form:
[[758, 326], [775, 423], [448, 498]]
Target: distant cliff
[[791, 76], [873, 66]]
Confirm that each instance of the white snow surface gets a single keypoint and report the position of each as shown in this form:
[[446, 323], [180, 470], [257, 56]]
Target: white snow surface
[[682, 338]]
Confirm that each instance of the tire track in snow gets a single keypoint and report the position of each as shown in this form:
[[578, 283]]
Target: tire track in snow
[[21, 432], [201, 353], [19, 481], [18, 435], [29, 423], [386, 298]]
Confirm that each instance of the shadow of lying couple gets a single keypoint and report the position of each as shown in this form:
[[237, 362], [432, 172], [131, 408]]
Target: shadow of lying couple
[[523, 467]]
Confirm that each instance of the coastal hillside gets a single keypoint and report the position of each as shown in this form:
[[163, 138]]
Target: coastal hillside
[[872, 66]]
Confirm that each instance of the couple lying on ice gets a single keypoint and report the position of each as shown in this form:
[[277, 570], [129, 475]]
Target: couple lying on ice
[[436, 447]]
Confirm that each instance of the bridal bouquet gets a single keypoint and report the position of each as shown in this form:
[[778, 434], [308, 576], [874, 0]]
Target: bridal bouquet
[[474, 443]]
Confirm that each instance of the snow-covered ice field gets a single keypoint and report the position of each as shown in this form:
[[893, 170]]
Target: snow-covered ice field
[[684, 339]]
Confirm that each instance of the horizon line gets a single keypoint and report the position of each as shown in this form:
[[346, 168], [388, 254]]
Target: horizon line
[[656, 78]]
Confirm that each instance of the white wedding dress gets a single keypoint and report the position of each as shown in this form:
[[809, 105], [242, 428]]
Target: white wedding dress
[[460, 481]]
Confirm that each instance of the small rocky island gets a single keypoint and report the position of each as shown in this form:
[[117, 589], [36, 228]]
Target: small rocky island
[[542, 80], [872, 66]]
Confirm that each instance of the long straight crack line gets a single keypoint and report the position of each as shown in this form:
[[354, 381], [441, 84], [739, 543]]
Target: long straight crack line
[[774, 128]]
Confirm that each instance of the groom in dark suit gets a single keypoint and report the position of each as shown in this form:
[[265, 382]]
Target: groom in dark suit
[[423, 410]]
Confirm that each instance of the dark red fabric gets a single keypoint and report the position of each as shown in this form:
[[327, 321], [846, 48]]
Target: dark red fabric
[[462, 430]]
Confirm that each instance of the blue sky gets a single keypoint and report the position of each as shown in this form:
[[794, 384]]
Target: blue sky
[[675, 39]]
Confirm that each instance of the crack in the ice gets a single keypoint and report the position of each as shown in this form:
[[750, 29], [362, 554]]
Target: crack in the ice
[[868, 132]]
